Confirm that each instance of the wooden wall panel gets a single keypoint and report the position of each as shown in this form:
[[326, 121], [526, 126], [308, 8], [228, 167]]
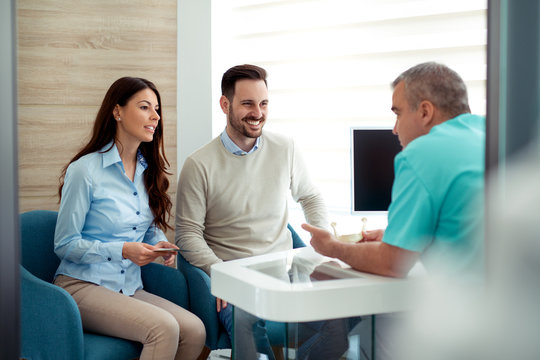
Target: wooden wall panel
[[69, 53]]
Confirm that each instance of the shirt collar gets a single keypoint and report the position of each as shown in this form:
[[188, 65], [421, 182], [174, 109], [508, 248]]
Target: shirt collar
[[112, 156], [233, 148]]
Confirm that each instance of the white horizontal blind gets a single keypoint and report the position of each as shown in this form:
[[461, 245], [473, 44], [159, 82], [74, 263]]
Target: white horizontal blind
[[331, 62]]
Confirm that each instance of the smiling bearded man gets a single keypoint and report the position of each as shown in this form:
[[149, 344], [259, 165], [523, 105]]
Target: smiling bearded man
[[232, 193]]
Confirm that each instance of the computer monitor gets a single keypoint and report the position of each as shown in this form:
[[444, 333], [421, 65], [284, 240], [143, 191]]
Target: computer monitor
[[372, 159]]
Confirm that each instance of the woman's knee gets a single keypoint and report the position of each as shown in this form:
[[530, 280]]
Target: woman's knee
[[166, 329], [192, 329]]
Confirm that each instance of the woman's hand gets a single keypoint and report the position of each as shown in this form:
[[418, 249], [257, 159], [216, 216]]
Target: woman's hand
[[140, 253], [169, 257]]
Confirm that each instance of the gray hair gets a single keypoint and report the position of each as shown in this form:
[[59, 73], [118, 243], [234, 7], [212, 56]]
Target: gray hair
[[437, 83]]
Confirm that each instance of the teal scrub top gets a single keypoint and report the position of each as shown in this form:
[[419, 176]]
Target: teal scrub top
[[437, 197]]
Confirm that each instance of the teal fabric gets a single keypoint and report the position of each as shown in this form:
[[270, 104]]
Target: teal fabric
[[51, 325], [203, 304], [37, 247], [100, 347], [437, 197], [167, 283], [50, 322]]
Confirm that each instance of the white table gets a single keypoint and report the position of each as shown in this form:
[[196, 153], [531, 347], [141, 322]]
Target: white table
[[257, 285], [281, 287]]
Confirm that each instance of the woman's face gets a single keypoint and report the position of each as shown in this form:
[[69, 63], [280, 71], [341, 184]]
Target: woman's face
[[137, 121]]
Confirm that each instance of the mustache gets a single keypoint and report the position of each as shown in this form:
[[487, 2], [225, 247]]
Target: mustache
[[253, 118]]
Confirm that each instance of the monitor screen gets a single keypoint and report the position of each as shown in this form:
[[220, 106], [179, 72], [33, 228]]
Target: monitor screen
[[373, 151]]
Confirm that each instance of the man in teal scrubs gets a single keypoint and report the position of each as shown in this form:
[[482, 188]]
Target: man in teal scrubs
[[436, 213]]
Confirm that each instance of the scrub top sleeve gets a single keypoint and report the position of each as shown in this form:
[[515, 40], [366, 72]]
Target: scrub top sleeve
[[411, 215]]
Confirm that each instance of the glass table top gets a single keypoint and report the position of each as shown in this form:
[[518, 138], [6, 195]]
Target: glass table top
[[305, 267]]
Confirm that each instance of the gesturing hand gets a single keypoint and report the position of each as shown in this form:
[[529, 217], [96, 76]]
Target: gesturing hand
[[322, 241]]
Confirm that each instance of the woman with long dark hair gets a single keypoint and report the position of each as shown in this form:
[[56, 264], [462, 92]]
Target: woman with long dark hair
[[113, 213]]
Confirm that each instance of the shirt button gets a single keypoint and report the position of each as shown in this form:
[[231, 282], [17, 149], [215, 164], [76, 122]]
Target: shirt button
[[135, 193], [109, 259], [138, 212], [121, 272], [134, 228]]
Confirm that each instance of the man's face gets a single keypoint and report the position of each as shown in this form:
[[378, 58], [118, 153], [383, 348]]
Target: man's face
[[408, 121], [246, 114]]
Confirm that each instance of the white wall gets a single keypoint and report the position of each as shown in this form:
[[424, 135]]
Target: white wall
[[194, 77]]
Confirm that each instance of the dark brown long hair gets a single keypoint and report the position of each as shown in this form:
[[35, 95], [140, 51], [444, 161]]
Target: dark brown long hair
[[104, 131]]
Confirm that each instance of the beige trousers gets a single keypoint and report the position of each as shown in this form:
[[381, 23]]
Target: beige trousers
[[166, 330]]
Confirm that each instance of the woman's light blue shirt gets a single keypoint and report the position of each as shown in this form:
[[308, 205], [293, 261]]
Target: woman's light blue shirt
[[102, 208]]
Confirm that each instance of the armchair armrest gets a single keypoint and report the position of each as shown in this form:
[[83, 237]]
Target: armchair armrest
[[166, 282], [203, 304], [51, 325], [296, 240]]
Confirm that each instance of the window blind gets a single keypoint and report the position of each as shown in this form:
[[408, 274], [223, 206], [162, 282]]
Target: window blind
[[331, 62]]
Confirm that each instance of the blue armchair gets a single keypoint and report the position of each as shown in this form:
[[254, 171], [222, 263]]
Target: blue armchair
[[203, 304], [50, 320]]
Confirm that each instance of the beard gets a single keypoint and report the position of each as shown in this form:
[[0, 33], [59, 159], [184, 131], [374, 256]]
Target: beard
[[241, 126]]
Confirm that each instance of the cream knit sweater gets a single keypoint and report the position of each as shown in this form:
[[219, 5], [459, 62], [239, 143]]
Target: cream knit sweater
[[231, 207]]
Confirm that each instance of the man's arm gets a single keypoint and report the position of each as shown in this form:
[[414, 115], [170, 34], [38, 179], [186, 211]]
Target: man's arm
[[375, 257], [190, 217]]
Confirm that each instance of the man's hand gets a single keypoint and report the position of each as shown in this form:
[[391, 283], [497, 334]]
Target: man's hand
[[372, 235], [220, 304], [322, 241], [169, 257]]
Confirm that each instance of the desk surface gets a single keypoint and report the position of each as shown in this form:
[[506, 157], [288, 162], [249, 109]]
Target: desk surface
[[300, 285]]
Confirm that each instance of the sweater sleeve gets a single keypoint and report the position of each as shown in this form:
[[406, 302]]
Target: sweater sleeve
[[306, 193], [190, 217]]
